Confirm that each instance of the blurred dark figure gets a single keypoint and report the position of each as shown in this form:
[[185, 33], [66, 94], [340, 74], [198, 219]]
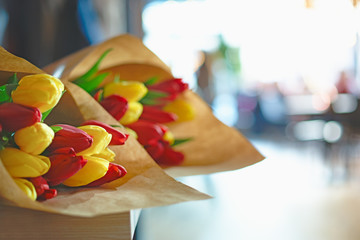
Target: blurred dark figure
[[42, 31]]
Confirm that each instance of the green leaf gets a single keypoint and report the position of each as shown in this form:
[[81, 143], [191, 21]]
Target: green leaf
[[11, 87], [151, 81], [93, 83], [45, 114], [89, 78], [152, 96], [181, 141], [117, 126], [93, 70], [149, 102], [13, 79], [56, 128], [5, 92], [156, 94], [4, 97]]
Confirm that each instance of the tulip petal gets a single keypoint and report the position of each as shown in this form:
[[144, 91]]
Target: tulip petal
[[147, 132], [114, 172], [170, 157], [35, 138], [132, 114], [115, 105], [131, 90], [14, 116], [94, 169], [42, 91], [157, 115], [64, 164], [22, 164], [101, 139], [72, 137], [27, 187], [118, 138]]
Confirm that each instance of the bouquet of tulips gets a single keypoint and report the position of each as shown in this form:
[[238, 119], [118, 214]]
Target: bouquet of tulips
[[57, 140], [39, 156], [164, 112], [144, 109]]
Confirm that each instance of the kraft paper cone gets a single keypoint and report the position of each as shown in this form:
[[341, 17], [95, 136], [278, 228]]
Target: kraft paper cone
[[215, 147], [145, 184]]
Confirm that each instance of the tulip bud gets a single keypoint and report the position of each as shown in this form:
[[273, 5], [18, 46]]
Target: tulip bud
[[35, 138], [27, 187], [115, 105], [147, 132], [107, 154], [42, 188], [64, 164], [132, 114], [101, 139], [182, 109], [22, 164], [154, 114], [118, 138], [42, 91], [155, 149], [170, 157], [173, 87], [70, 136], [94, 169], [14, 116], [114, 172], [131, 90]]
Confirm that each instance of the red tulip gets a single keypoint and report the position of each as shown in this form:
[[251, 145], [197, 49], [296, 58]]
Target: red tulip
[[148, 132], [64, 164], [70, 136], [114, 172], [173, 87], [118, 138], [155, 150], [115, 105], [42, 188], [154, 114], [14, 116], [170, 157]]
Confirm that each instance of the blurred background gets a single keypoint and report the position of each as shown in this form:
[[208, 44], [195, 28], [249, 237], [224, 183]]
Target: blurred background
[[283, 72]]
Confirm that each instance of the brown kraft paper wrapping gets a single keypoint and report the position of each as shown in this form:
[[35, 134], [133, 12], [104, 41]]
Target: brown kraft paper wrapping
[[145, 185], [215, 147]]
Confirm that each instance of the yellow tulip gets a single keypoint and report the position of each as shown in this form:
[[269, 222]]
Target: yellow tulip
[[27, 187], [22, 164], [107, 154], [101, 139], [132, 114], [131, 90], [94, 169], [182, 109], [35, 138], [40, 90]]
